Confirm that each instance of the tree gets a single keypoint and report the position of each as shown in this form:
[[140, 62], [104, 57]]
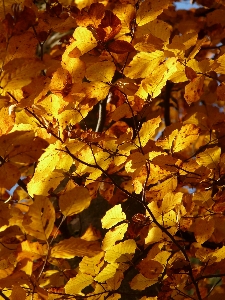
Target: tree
[[113, 138]]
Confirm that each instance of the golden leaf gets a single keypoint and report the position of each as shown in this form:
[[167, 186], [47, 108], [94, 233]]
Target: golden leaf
[[74, 200], [194, 89], [69, 248], [92, 265], [101, 71], [209, 158], [84, 42], [19, 72], [185, 137], [150, 10], [116, 251], [113, 216], [107, 273], [32, 251], [39, 220], [77, 284], [157, 28], [157, 78], [170, 200], [147, 131], [143, 63], [114, 235]]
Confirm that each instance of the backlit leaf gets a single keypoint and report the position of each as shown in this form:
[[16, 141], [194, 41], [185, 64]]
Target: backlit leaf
[[101, 71], [147, 131], [186, 136], [209, 158], [194, 89], [74, 200], [39, 220], [107, 273], [149, 10], [84, 42], [113, 216], [127, 247], [75, 285], [72, 247]]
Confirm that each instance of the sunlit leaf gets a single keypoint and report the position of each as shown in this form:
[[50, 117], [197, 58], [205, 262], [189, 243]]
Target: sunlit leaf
[[107, 273], [75, 247], [75, 285], [113, 216], [147, 131], [127, 247], [209, 158], [84, 42], [74, 200], [149, 10], [92, 265], [186, 136], [39, 220]]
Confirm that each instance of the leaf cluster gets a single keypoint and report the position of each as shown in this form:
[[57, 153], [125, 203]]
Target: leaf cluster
[[112, 137]]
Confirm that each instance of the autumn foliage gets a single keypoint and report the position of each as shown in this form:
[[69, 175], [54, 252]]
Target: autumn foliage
[[113, 140]]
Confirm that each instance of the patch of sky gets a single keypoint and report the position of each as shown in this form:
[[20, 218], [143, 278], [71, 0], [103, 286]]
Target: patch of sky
[[185, 5]]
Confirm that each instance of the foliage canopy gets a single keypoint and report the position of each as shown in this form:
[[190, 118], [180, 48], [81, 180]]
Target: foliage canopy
[[113, 136]]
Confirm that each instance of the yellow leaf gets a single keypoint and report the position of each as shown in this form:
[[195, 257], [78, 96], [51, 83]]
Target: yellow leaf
[[194, 89], [139, 282], [39, 220], [71, 247], [107, 273], [101, 71], [113, 216], [157, 28], [127, 247], [74, 200], [114, 235], [185, 137], [170, 200], [43, 183], [159, 191], [75, 66], [92, 265], [84, 42], [45, 176], [150, 10], [158, 77], [20, 72], [209, 158], [203, 229], [77, 284], [143, 63], [32, 251], [147, 131]]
